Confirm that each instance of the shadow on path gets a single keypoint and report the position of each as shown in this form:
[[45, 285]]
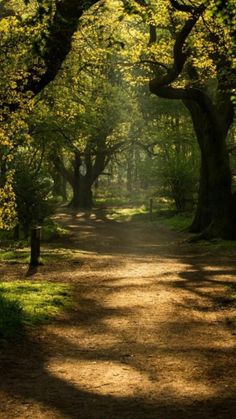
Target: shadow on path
[[145, 343]]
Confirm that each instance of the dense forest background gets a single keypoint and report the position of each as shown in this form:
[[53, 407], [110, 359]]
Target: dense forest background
[[130, 102]]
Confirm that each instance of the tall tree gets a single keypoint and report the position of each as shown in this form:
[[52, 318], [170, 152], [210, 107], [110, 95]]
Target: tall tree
[[212, 114], [35, 39]]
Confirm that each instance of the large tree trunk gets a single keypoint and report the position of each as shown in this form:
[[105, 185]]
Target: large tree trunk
[[82, 193], [60, 184], [81, 181], [82, 187], [202, 216], [223, 220], [215, 215]]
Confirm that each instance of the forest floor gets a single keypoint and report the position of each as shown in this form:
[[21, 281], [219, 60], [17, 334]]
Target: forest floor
[[150, 334]]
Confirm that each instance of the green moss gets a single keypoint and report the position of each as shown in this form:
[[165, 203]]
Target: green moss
[[29, 303]]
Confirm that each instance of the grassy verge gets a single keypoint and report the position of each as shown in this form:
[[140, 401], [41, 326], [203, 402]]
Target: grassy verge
[[218, 244], [21, 255], [26, 303], [177, 222]]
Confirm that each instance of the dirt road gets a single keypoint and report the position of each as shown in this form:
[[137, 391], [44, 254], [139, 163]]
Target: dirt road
[[150, 336]]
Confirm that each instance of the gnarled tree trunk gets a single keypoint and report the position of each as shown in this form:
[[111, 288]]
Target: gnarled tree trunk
[[82, 184], [215, 210]]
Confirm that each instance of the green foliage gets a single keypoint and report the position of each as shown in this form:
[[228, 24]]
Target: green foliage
[[33, 195], [98, 104], [180, 178], [16, 43]]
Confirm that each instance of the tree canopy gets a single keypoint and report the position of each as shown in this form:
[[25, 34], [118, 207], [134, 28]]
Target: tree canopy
[[76, 88]]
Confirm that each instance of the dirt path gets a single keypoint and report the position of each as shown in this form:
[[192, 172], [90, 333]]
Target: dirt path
[[150, 337]]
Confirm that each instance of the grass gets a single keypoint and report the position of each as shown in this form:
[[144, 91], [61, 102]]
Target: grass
[[129, 214], [219, 244], [26, 303], [181, 222], [16, 255], [177, 222], [110, 201], [10, 318], [52, 230], [233, 296], [234, 292]]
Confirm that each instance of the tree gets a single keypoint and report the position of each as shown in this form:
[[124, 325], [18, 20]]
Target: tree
[[32, 187], [211, 111], [35, 40]]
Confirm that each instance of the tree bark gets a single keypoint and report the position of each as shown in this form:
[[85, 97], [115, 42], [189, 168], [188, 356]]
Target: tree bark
[[82, 193], [202, 216], [215, 209], [82, 184]]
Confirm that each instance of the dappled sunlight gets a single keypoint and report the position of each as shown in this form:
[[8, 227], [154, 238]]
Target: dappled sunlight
[[146, 334], [102, 377]]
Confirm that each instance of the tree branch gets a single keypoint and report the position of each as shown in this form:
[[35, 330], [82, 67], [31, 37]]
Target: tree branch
[[181, 7], [179, 55], [60, 167], [188, 94], [59, 40]]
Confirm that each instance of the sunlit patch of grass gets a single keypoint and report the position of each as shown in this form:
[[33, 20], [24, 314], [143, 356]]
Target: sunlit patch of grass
[[57, 254], [234, 292], [129, 213], [15, 255], [31, 303]]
